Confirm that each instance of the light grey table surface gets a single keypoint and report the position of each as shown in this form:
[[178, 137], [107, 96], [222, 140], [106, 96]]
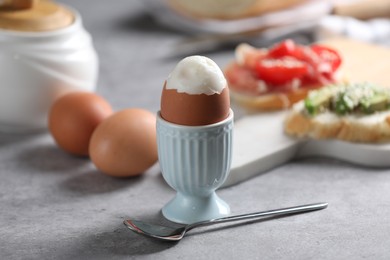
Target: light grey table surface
[[55, 206]]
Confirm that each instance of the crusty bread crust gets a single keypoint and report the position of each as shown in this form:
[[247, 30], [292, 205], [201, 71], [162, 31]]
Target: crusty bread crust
[[347, 128], [271, 101], [276, 100], [232, 9]]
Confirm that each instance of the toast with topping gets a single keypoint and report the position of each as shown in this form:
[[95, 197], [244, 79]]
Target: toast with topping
[[276, 78], [350, 112]]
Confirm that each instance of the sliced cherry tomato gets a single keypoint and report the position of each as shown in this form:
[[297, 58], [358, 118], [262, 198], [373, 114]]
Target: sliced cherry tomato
[[242, 79], [248, 56], [283, 49], [281, 64], [281, 71], [327, 55], [320, 71], [307, 55]]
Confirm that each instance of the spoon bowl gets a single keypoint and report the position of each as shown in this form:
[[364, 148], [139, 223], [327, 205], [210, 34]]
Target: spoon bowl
[[176, 234]]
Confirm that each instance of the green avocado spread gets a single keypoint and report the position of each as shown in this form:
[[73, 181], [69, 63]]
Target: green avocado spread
[[358, 98]]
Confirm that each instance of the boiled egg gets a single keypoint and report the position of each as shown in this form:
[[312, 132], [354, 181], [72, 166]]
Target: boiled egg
[[195, 93]]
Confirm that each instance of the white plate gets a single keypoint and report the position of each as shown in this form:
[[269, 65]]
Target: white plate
[[260, 144], [312, 10]]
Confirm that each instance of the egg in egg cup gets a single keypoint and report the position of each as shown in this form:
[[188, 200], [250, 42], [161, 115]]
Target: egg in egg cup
[[194, 139]]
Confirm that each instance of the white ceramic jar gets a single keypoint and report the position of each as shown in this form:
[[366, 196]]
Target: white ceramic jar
[[37, 67]]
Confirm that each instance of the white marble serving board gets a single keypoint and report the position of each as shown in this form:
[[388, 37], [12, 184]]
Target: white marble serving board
[[260, 145]]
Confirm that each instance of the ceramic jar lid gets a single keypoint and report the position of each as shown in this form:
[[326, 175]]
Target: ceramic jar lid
[[33, 15]]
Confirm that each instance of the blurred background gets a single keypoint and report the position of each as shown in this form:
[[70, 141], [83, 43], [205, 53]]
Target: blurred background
[[138, 38], [138, 43]]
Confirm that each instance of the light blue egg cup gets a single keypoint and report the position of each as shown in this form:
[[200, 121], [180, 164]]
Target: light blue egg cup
[[195, 161]]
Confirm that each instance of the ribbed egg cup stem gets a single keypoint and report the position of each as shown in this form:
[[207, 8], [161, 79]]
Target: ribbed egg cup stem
[[187, 209], [195, 161]]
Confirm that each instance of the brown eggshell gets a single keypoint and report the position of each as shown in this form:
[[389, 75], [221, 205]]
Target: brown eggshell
[[194, 110], [73, 117], [125, 143]]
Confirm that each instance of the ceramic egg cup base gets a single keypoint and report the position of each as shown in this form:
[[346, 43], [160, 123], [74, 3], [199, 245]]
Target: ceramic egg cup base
[[186, 209], [195, 161]]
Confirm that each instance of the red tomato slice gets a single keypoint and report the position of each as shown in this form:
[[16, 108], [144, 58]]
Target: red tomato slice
[[283, 49], [281, 65], [281, 71], [248, 56], [320, 71], [242, 79], [327, 55]]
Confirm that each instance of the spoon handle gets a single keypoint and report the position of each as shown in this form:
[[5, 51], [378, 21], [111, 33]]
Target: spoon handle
[[275, 212]]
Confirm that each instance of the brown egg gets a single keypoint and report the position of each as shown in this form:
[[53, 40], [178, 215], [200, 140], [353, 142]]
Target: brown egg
[[125, 143], [194, 110], [73, 117], [195, 93]]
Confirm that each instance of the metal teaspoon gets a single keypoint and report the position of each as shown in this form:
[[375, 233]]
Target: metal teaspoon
[[176, 234]]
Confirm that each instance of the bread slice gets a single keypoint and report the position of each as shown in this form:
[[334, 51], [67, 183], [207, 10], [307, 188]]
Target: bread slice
[[253, 93], [229, 9], [266, 101], [270, 101], [371, 128]]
